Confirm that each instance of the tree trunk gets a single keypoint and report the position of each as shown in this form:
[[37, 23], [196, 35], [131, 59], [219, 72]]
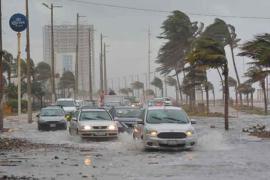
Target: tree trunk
[[176, 95], [202, 95], [236, 73], [247, 100], [222, 83], [179, 86], [226, 94], [207, 99], [251, 100], [213, 91], [236, 96], [264, 96]]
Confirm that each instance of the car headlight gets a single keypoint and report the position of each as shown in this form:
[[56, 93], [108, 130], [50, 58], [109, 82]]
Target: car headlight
[[112, 127], [87, 127], [152, 133], [189, 133]]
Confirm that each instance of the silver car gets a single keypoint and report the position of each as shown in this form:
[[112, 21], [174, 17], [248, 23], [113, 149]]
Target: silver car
[[166, 127], [93, 123], [51, 118]]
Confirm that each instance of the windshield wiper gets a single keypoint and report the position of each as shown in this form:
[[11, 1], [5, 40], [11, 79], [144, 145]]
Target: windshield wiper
[[175, 120], [155, 117]]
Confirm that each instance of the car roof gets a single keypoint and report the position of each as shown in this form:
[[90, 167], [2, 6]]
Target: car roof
[[52, 107], [164, 107], [94, 110], [65, 99]]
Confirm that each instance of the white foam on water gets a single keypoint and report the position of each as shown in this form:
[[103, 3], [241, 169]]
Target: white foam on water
[[212, 141]]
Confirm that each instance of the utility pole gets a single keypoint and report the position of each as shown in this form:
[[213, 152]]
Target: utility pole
[[90, 67], [77, 59], [29, 91], [105, 71], [52, 51], [101, 63], [1, 71], [93, 59], [149, 57]]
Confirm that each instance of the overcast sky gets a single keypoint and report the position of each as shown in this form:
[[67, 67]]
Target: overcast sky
[[126, 29]]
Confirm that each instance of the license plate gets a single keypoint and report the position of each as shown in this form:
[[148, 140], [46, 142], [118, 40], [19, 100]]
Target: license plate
[[52, 125], [172, 142], [100, 134]]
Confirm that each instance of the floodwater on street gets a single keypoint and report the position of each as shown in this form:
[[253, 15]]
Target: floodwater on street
[[219, 155]]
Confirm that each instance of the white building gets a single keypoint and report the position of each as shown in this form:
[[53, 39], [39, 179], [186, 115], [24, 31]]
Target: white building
[[65, 51]]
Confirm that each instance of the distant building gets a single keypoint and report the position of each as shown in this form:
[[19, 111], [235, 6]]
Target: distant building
[[65, 51]]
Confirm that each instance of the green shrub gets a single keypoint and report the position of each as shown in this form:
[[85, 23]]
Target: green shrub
[[13, 103]]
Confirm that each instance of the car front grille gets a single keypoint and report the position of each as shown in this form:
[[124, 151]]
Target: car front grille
[[99, 127], [172, 135]]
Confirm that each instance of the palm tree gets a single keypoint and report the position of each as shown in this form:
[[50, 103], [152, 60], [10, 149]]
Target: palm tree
[[8, 64], [157, 82], [137, 85], [43, 72], [258, 50], [179, 32], [233, 43], [256, 74], [211, 88], [209, 52], [67, 81], [149, 92], [173, 82]]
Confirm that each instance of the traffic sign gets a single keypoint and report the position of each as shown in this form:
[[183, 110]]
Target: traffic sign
[[18, 22]]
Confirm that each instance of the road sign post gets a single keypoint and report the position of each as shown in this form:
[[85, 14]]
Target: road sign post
[[18, 23]]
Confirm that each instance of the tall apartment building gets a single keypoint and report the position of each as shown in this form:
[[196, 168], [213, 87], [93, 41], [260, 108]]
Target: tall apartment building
[[65, 51]]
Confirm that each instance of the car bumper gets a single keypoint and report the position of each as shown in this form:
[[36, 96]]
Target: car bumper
[[98, 134], [52, 125], [158, 143]]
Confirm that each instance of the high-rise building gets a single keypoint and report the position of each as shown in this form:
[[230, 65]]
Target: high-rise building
[[65, 51]]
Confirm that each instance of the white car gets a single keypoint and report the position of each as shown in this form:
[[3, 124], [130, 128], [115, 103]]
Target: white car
[[93, 123], [68, 104], [166, 127]]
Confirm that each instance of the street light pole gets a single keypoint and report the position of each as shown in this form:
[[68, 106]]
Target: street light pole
[[29, 91], [77, 59], [1, 71], [52, 51], [90, 65], [101, 63]]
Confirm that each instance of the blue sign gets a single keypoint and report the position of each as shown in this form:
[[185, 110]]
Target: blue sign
[[18, 22]]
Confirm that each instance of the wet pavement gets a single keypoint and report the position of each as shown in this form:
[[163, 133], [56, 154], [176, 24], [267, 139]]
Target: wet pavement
[[219, 155]]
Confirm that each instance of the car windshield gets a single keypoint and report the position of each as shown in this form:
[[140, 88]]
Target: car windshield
[[94, 115], [128, 112], [159, 116], [52, 112], [66, 103]]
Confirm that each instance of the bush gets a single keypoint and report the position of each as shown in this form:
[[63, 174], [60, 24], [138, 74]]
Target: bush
[[13, 103]]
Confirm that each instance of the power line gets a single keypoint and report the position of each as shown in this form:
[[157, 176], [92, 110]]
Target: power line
[[166, 11]]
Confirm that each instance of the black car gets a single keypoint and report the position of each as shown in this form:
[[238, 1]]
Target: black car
[[51, 118], [126, 116]]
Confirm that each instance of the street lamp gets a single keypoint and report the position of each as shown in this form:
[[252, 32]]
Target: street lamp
[[52, 50], [77, 58]]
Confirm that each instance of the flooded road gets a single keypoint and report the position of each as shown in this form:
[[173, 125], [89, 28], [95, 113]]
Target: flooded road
[[218, 155]]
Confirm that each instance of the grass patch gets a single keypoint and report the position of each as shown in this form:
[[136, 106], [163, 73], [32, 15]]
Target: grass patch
[[250, 110], [202, 113]]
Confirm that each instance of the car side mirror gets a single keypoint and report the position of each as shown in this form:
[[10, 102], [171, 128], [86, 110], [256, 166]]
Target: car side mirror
[[193, 121], [140, 122], [37, 115]]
